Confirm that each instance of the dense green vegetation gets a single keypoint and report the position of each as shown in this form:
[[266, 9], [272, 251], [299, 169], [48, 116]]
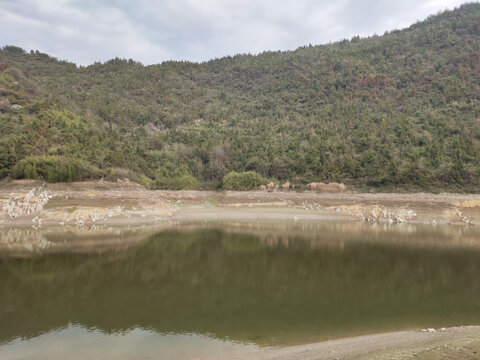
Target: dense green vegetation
[[52, 168], [398, 111], [246, 180]]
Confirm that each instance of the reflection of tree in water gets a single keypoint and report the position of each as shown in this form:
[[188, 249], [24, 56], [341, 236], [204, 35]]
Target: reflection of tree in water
[[242, 287]]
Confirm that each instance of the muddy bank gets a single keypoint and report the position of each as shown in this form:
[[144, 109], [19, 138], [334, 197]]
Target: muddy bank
[[106, 203], [428, 344]]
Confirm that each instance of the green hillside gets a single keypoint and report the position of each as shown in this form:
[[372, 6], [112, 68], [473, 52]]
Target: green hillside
[[398, 111]]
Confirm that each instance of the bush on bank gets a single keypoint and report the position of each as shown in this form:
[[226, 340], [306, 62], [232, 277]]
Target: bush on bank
[[247, 180], [184, 182], [50, 168]]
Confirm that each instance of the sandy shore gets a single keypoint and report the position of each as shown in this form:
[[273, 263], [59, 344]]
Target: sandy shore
[[452, 343], [85, 203]]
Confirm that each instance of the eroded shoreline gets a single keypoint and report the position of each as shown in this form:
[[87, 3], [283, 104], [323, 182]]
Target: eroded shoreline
[[102, 203]]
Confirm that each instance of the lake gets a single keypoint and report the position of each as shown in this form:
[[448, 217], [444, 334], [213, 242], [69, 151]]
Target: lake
[[196, 290]]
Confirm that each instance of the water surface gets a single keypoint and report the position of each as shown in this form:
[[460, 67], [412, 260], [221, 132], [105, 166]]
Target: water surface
[[206, 289]]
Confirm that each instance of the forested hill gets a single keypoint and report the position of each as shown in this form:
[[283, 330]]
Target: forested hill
[[397, 111]]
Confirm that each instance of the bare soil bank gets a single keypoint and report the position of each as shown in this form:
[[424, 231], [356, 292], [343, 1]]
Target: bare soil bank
[[85, 203], [452, 343]]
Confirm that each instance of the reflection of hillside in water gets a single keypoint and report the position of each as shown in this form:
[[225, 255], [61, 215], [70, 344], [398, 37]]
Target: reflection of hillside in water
[[25, 240], [231, 283], [336, 233]]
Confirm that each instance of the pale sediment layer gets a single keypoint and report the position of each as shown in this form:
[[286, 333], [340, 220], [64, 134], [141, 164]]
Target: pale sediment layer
[[80, 204], [87, 203]]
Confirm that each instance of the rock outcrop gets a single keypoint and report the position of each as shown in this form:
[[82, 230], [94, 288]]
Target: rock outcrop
[[32, 202]]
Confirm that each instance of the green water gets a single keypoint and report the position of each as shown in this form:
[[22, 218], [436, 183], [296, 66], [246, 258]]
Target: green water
[[200, 290]]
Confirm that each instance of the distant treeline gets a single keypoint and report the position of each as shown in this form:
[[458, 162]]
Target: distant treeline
[[398, 111]]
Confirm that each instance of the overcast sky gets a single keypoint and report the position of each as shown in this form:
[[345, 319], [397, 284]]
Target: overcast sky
[[149, 31]]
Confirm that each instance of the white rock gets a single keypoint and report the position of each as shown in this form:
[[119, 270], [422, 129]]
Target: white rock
[[410, 214]]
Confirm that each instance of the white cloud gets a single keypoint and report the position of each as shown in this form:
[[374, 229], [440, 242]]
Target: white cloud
[[443, 4], [85, 31]]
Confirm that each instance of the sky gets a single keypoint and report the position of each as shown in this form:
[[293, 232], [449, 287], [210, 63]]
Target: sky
[[153, 31]]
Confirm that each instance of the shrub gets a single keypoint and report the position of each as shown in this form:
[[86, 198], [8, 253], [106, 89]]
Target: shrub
[[121, 173], [50, 168], [88, 171], [247, 180], [186, 182], [55, 169], [146, 182]]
